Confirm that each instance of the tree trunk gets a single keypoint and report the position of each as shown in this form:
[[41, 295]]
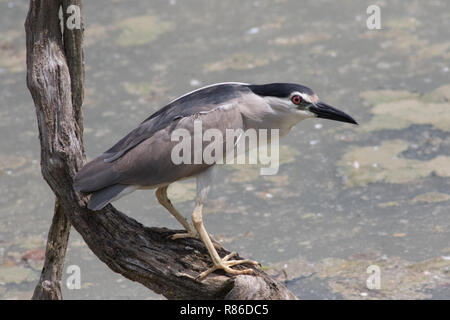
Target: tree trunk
[[146, 255], [49, 285]]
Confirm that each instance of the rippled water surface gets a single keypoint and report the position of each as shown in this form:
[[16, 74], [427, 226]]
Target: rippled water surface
[[345, 197]]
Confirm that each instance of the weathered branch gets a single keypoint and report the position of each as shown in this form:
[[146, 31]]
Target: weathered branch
[[73, 49], [49, 285], [142, 254]]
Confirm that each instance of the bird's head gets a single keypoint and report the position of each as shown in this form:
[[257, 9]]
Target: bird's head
[[300, 100]]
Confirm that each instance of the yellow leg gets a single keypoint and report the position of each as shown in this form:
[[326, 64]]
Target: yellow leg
[[161, 195], [218, 262]]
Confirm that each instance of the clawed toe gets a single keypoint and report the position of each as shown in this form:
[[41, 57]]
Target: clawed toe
[[194, 235], [226, 264], [184, 235]]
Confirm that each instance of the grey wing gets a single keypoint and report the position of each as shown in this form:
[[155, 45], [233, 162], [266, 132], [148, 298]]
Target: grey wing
[[145, 160], [150, 163], [135, 137], [204, 100]]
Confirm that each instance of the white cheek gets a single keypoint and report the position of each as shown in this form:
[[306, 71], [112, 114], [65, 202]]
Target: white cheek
[[305, 114]]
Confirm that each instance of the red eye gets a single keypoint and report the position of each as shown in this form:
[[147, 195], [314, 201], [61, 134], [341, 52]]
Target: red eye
[[296, 99]]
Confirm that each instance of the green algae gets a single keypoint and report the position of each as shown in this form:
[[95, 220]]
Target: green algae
[[142, 30], [384, 163]]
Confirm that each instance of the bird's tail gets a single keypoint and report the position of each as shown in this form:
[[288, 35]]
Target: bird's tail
[[95, 176], [99, 199]]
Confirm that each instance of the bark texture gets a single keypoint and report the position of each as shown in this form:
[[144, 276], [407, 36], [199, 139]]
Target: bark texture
[[49, 285], [55, 78]]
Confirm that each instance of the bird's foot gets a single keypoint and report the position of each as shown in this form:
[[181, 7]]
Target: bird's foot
[[188, 234], [194, 234], [226, 264]]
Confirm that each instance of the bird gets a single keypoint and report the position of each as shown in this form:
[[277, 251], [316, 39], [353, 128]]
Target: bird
[[143, 158]]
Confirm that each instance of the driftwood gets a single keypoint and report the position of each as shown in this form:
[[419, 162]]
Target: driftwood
[[146, 255]]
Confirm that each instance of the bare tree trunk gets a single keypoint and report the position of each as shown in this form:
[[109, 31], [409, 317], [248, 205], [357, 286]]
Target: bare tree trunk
[[49, 285], [142, 254]]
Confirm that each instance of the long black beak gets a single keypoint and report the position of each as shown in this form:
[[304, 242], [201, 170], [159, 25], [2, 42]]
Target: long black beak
[[326, 111]]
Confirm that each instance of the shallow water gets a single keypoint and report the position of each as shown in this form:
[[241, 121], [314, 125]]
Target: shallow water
[[345, 197]]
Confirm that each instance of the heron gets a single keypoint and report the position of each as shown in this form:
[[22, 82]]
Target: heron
[[143, 158]]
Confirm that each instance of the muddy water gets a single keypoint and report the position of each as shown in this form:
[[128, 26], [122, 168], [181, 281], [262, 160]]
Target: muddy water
[[345, 197]]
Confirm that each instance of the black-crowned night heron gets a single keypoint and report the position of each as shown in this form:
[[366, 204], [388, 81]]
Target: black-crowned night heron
[[143, 158]]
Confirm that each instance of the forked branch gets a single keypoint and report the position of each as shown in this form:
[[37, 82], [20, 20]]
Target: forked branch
[[146, 255]]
